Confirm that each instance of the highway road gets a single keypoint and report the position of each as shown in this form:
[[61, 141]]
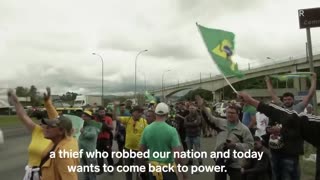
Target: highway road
[[13, 158]]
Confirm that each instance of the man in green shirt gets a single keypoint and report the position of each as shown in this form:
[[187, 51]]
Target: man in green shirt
[[88, 142], [161, 138]]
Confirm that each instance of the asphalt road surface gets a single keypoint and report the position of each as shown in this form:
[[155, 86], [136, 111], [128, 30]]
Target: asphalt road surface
[[13, 158]]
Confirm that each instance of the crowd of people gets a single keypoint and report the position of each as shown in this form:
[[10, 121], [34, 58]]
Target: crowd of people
[[278, 130]]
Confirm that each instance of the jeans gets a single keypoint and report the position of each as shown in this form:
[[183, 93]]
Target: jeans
[[234, 174], [130, 162], [285, 167], [102, 146], [87, 162], [120, 148], [194, 141], [183, 141]]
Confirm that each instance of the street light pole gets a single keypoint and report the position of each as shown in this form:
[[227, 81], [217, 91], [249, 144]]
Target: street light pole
[[145, 82], [102, 99], [163, 83], [135, 73]]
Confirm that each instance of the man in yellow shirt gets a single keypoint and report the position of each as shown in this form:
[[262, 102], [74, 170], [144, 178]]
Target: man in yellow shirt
[[135, 125]]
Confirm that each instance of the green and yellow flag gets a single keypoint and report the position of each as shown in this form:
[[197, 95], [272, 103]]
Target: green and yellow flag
[[149, 97], [220, 45], [293, 75]]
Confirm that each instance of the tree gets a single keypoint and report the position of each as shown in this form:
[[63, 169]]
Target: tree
[[35, 99], [22, 91], [207, 95], [33, 91]]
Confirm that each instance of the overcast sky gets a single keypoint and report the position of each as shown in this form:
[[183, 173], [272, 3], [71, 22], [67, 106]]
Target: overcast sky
[[50, 43]]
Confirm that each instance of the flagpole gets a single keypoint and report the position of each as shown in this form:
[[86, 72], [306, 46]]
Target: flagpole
[[225, 78], [229, 84]]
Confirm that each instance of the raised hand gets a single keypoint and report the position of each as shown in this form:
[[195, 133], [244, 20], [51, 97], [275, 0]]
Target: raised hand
[[244, 97], [46, 96], [12, 97], [247, 99]]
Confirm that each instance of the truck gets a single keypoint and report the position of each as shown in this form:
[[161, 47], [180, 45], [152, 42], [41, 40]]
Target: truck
[[84, 100]]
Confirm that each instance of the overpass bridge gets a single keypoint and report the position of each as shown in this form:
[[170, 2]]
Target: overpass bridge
[[216, 83]]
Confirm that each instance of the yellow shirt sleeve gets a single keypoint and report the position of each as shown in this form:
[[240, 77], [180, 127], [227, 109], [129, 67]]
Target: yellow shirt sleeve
[[51, 110], [124, 119]]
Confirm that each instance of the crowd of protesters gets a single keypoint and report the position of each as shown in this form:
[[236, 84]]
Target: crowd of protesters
[[158, 127]]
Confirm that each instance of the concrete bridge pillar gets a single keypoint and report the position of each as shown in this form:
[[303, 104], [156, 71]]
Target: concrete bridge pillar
[[217, 96]]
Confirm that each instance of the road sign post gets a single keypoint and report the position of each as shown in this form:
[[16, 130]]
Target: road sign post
[[309, 18]]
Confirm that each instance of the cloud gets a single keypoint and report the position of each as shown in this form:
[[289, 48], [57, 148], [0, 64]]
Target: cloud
[[51, 43]]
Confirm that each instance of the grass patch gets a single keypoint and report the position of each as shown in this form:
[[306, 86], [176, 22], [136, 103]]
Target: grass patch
[[308, 169], [13, 120], [9, 121]]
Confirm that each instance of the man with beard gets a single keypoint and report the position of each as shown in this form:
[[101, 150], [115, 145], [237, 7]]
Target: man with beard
[[287, 147], [233, 136], [306, 126], [135, 125]]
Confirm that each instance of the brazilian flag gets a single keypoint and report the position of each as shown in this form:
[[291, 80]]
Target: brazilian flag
[[220, 45], [149, 97]]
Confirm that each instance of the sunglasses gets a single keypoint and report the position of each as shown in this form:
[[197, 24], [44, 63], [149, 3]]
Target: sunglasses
[[45, 126]]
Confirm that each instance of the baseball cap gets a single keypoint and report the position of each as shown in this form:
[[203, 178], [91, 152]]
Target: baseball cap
[[61, 121], [162, 109]]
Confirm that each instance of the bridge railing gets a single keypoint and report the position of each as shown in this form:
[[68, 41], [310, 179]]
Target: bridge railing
[[247, 66], [271, 61]]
